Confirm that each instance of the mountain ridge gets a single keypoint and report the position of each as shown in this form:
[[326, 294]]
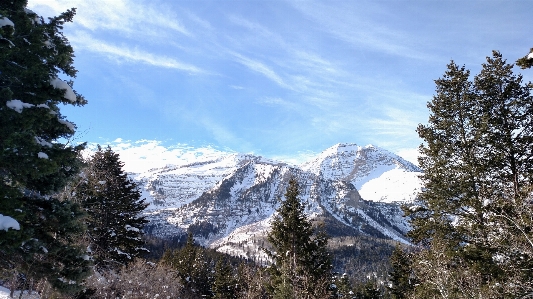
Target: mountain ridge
[[234, 196]]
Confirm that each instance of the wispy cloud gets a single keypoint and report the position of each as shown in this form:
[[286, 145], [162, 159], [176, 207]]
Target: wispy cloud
[[256, 28], [259, 67], [313, 77], [394, 126], [85, 41], [279, 102], [126, 16], [224, 135], [135, 27], [349, 23]]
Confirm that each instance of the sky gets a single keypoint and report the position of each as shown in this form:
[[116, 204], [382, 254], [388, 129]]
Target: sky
[[281, 79]]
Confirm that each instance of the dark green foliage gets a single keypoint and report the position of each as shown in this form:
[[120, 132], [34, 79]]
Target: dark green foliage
[[203, 229], [475, 210], [32, 54], [401, 276], [225, 284], [206, 272], [114, 206], [193, 267], [361, 256], [34, 161], [526, 62], [53, 229], [301, 265], [368, 290], [157, 246]]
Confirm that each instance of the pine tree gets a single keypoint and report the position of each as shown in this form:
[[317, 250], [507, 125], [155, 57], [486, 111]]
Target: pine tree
[[301, 265], [34, 161], [526, 62], [477, 159], [224, 282], [344, 287], [114, 206], [193, 267], [369, 290], [401, 278]]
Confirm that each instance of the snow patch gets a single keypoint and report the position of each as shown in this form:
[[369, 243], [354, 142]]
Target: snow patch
[[383, 230], [18, 105], [395, 185], [66, 281], [69, 93], [42, 142], [7, 222], [131, 228], [6, 22], [36, 19], [69, 125]]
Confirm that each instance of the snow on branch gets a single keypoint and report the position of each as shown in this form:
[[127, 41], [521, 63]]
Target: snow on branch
[[69, 93], [18, 105], [6, 22], [7, 222], [70, 125]]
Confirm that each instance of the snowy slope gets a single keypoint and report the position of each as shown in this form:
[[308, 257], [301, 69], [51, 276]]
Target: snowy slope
[[378, 174], [176, 185], [395, 185], [228, 200]]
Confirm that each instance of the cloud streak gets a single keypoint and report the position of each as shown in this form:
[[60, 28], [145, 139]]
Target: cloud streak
[[125, 16], [261, 68], [86, 42], [356, 27]]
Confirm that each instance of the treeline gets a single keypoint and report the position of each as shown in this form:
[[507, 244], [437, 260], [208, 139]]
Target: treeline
[[302, 267]]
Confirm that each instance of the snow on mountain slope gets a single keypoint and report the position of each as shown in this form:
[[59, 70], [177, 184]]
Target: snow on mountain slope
[[175, 185], [379, 175], [395, 185], [228, 200]]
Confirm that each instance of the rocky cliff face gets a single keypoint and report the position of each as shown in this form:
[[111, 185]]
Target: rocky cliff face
[[227, 201]]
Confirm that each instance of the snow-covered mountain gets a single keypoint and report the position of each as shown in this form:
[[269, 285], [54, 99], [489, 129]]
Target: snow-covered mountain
[[377, 174], [227, 200]]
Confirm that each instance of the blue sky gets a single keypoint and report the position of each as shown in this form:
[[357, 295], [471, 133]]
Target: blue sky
[[282, 79]]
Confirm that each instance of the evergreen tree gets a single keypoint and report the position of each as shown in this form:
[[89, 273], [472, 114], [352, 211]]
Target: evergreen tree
[[34, 161], [477, 161], [344, 287], [182, 261], [224, 285], [192, 266], [251, 281], [114, 206], [369, 290], [401, 274], [301, 265], [526, 62]]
